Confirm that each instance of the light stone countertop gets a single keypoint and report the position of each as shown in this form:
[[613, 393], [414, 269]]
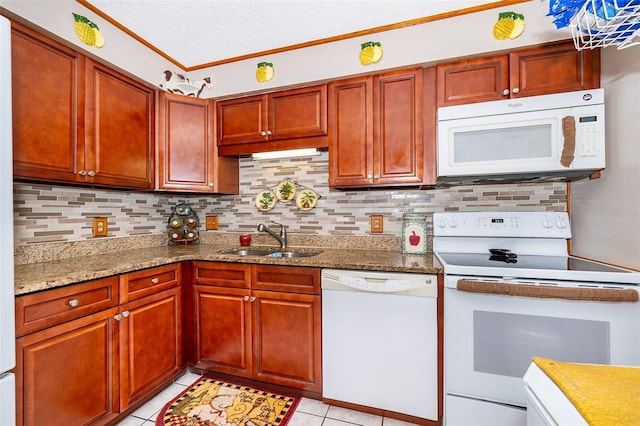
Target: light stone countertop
[[32, 277]]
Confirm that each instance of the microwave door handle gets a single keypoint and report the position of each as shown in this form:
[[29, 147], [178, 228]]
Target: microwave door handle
[[569, 134]]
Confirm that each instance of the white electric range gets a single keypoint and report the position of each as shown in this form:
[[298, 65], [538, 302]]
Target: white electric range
[[512, 291]]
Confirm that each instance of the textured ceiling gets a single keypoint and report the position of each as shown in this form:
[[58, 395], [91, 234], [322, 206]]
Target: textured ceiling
[[198, 32]]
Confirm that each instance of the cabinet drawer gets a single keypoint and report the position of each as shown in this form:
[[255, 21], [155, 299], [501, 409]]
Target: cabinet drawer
[[148, 281], [222, 274], [38, 311], [290, 279]]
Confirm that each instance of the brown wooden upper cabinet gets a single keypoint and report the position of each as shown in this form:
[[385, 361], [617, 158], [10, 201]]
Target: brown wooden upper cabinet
[[539, 71], [287, 119], [186, 153], [377, 133], [75, 120]]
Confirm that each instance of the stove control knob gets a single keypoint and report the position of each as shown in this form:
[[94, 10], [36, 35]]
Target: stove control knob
[[453, 223], [442, 223], [560, 223], [547, 223]]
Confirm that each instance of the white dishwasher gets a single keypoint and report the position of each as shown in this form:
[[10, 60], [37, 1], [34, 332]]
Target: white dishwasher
[[380, 340]]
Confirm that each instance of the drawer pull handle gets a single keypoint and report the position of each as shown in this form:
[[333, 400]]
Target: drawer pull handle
[[155, 280], [74, 302]]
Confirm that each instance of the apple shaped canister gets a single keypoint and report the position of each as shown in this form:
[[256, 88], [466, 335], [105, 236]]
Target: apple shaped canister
[[414, 233]]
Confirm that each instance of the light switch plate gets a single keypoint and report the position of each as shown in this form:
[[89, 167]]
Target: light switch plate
[[377, 224], [211, 223], [100, 226]]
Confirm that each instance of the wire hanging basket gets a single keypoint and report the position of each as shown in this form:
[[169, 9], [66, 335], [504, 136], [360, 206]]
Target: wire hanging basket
[[602, 23]]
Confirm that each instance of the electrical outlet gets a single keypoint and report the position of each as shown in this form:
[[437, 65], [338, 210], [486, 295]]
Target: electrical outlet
[[211, 223], [377, 224], [100, 226]]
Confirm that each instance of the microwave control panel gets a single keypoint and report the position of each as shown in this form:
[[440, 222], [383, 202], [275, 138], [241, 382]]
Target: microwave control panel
[[587, 130]]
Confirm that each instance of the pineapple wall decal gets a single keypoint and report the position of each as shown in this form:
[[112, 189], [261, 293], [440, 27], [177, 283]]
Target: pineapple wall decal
[[370, 52], [264, 72], [87, 31], [510, 26]]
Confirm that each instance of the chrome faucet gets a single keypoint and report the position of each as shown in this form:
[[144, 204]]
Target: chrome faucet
[[282, 237]]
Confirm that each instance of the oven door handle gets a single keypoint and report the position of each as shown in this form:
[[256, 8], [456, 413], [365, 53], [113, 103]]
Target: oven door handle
[[549, 292]]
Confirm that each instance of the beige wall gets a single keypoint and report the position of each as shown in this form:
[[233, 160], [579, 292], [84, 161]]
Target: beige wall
[[426, 43], [605, 212]]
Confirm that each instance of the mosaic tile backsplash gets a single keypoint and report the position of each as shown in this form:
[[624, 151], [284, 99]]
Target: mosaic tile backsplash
[[56, 213]]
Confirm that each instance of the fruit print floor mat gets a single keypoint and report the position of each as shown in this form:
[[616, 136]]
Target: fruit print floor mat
[[209, 402]]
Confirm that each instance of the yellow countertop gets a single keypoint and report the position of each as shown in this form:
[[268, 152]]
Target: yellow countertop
[[32, 277], [605, 395]]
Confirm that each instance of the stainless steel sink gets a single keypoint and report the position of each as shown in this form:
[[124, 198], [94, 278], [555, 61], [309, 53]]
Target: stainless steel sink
[[271, 253], [290, 254], [247, 252]]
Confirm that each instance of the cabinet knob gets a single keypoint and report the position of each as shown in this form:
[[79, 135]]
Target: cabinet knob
[[73, 303], [117, 317], [369, 176], [263, 133], [376, 176], [246, 298], [210, 183], [269, 132], [155, 280], [91, 173], [253, 298], [505, 92], [82, 172], [125, 314], [515, 90]]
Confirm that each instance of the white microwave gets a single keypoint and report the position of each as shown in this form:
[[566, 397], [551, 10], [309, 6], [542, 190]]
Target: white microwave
[[549, 137]]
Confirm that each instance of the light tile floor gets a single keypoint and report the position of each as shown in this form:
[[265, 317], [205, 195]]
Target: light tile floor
[[310, 412]]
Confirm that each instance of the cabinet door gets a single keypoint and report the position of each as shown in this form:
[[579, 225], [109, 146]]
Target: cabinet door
[[47, 102], [150, 344], [242, 120], [287, 339], [298, 113], [553, 69], [186, 154], [473, 80], [223, 329], [397, 132], [351, 132], [119, 137], [67, 374]]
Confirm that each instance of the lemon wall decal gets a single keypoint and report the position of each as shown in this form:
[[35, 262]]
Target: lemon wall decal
[[264, 72], [370, 52]]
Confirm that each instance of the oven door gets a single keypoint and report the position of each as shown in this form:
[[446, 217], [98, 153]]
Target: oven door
[[490, 338]]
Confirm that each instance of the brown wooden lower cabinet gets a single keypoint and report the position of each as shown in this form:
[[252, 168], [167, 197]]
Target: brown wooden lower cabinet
[[150, 344], [88, 352], [270, 336], [287, 339], [82, 358], [67, 374]]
